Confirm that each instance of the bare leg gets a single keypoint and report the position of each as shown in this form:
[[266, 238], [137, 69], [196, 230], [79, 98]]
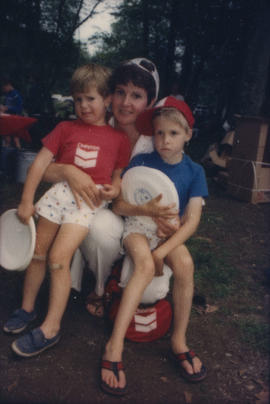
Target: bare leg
[[181, 263], [68, 239], [138, 248], [17, 142], [35, 273]]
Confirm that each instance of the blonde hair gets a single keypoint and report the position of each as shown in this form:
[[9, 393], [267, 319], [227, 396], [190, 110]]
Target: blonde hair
[[173, 114], [91, 75]]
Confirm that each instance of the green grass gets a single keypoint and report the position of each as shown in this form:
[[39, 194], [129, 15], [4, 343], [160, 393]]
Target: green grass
[[214, 276], [255, 333], [217, 279], [212, 219]]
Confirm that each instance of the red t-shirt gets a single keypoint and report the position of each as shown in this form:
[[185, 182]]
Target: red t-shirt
[[97, 150]]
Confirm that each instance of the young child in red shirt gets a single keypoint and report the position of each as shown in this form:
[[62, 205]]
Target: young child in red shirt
[[64, 219]]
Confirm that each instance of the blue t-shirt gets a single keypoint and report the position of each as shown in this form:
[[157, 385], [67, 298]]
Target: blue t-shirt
[[187, 176], [13, 101]]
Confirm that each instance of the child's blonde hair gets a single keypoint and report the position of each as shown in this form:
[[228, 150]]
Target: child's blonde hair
[[91, 75], [174, 115]]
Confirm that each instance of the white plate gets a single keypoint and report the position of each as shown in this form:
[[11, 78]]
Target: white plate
[[17, 241], [141, 184]]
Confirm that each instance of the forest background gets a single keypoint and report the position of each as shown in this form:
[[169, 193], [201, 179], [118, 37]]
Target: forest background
[[217, 51]]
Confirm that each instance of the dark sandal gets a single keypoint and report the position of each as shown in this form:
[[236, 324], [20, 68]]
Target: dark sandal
[[114, 367], [188, 356], [97, 304]]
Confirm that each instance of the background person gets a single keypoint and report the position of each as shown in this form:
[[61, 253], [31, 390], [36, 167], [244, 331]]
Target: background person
[[12, 104]]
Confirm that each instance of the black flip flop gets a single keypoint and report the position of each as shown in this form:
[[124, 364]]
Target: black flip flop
[[114, 367], [188, 356]]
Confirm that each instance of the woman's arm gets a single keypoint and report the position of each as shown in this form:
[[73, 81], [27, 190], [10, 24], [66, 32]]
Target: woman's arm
[[55, 172], [81, 184], [152, 208], [34, 176]]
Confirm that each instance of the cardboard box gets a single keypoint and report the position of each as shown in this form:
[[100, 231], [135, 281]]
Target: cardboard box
[[249, 167], [249, 181], [251, 140], [248, 195]]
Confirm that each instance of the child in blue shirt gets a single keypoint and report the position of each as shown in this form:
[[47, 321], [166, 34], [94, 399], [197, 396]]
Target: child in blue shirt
[[171, 123]]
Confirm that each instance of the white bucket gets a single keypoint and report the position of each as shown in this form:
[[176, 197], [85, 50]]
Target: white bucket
[[24, 160]]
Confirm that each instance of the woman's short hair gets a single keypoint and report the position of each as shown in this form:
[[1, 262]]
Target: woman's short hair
[[139, 76]]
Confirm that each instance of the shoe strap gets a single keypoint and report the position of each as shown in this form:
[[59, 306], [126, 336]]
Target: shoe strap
[[186, 356], [113, 366], [22, 314]]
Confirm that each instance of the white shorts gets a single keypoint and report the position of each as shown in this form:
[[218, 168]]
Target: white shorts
[[58, 205], [133, 224]]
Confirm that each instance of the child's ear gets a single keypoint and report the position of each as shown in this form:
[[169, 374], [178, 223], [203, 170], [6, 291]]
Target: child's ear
[[189, 135]]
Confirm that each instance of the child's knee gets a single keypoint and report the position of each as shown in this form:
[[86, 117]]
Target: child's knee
[[146, 268], [187, 263], [184, 267]]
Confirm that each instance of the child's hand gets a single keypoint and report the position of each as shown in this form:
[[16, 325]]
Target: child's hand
[[159, 262], [109, 192], [25, 211]]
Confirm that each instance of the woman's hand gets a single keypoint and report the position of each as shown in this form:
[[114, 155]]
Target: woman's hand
[[156, 210], [109, 192], [167, 228], [82, 186], [153, 208], [25, 211]]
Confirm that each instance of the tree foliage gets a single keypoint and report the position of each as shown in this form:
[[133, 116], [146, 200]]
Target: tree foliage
[[218, 51], [203, 45], [37, 42]]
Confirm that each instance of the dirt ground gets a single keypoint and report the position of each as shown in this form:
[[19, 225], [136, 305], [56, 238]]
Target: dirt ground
[[69, 372]]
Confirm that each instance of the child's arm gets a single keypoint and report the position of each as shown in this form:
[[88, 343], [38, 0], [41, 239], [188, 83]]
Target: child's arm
[[111, 191], [189, 224], [34, 176], [152, 208], [81, 184]]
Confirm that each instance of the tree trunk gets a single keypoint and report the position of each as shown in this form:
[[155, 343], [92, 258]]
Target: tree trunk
[[253, 84], [145, 27], [170, 63]]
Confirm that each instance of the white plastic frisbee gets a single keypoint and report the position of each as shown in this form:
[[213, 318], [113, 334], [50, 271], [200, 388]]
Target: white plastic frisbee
[[141, 184], [17, 241]]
